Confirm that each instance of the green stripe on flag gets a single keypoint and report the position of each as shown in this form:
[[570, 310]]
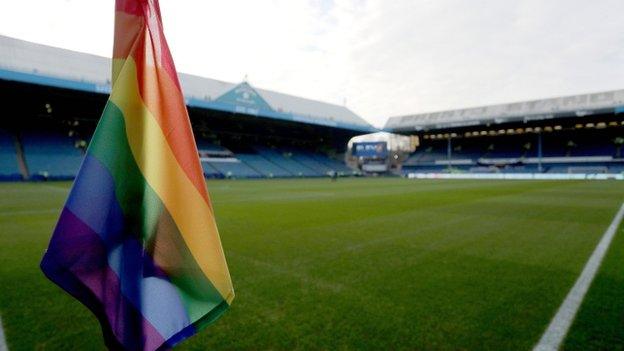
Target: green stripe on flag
[[145, 215]]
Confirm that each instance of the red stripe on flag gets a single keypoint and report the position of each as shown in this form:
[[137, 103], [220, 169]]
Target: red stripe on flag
[[133, 7]]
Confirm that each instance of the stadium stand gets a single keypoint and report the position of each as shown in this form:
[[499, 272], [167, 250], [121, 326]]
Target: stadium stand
[[234, 168], [564, 152], [211, 172], [571, 134], [264, 166], [307, 159], [50, 155], [247, 132], [241, 131], [286, 161], [9, 169], [333, 164]]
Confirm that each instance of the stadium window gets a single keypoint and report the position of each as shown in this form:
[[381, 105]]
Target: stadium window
[[589, 125], [601, 125], [613, 124], [477, 133], [528, 129], [453, 135], [558, 127], [492, 132], [483, 132], [510, 131], [548, 129], [501, 131], [578, 126], [467, 134], [519, 131]]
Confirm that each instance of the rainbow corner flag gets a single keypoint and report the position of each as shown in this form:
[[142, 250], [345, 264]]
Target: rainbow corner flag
[[137, 241]]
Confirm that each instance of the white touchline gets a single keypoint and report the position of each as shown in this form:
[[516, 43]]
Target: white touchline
[[561, 322], [3, 344]]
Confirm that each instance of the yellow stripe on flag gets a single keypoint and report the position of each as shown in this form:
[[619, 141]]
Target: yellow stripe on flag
[[161, 170]]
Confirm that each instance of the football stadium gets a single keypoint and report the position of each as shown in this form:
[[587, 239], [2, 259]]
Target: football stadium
[[493, 227]]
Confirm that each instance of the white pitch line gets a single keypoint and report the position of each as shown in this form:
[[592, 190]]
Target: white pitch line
[[3, 344], [560, 324]]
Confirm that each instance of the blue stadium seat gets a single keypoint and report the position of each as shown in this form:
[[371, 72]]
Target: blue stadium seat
[[287, 163], [264, 166], [210, 172], [334, 164], [236, 169], [50, 155], [8, 158], [306, 159]]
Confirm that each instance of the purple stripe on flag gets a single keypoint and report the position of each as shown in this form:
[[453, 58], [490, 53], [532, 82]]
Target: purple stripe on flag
[[82, 269]]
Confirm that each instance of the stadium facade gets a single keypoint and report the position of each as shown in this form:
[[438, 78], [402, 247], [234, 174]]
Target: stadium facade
[[53, 99], [580, 134]]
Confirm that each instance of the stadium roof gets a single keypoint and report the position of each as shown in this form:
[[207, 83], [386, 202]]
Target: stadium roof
[[45, 65], [568, 106]]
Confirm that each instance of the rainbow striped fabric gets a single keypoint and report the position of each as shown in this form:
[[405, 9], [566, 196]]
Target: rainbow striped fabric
[[137, 241]]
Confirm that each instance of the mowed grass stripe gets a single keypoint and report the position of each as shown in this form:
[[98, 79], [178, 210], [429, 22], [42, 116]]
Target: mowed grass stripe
[[355, 264]]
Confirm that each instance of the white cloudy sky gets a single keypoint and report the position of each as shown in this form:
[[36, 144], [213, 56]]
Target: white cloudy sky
[[383, 57]]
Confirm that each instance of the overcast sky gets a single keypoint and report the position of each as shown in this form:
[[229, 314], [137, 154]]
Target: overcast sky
[[383, 57]]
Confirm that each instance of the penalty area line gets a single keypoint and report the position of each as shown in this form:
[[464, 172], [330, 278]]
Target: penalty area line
[[3, 344], [560, 324]]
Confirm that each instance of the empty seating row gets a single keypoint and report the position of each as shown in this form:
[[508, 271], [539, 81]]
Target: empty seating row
[[287, 163], [54, 155], [264, 166], [50, 155], [234, 169]]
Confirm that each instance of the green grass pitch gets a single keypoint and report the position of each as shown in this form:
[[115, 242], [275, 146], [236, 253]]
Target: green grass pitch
[[360, 264]]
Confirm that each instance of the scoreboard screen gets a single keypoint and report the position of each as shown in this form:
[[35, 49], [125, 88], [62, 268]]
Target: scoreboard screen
[[378, 149]]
